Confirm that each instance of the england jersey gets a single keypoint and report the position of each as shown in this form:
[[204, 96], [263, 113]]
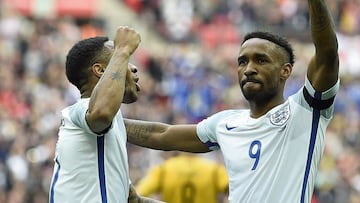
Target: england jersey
[[274, 158], [89, 168]]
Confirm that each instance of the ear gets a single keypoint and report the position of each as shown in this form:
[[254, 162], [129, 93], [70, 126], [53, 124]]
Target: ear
[[98, 69], [285, 71]]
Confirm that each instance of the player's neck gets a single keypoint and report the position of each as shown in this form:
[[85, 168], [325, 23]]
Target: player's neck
[[258, 109]]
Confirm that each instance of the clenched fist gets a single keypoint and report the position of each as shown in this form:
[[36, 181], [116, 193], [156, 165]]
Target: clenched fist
[[127, 39]]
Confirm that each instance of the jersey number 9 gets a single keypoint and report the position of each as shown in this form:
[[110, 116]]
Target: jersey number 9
[[254, 152]]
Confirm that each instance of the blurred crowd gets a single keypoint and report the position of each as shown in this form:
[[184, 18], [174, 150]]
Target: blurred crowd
[[192, 76], [214, 20]]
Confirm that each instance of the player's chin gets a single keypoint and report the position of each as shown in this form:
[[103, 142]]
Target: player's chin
[[130, 97], [249, 94]]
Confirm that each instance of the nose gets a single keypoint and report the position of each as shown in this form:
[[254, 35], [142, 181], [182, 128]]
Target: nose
[[134, 69], [250, 70]]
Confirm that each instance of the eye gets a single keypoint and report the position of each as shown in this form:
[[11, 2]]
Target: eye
[[262, 60], [241, 62]]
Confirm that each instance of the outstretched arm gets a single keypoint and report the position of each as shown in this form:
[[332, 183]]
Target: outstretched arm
[[135, 198], [162, 136], [324, 66]]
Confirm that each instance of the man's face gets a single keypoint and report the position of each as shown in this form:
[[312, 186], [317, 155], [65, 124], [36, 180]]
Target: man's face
[[131, 85], [259, 65]]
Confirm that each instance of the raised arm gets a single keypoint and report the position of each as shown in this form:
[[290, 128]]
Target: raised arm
[[107, 95], [324, 66], [162, 136]]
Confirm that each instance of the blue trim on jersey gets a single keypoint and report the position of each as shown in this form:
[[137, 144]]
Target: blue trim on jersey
[[56, 176], [314, 128], [212, 145], [100, 146]]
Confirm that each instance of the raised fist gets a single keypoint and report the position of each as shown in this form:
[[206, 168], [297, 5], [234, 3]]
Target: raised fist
[[127, 39]]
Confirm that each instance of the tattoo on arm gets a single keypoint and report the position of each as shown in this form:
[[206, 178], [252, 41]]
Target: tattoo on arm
[[116, 75], [139, 133]]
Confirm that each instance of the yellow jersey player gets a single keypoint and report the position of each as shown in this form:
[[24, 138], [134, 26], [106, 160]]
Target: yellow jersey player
[[186, 178]]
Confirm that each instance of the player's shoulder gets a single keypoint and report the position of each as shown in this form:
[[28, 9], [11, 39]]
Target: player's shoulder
[[71, 111], [223, 116], [78, 104], [232, 113]]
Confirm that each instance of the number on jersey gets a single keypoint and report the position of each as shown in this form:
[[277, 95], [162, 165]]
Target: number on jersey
[[254, 152]]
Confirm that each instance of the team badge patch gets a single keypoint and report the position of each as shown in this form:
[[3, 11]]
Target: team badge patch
[[280, 116]]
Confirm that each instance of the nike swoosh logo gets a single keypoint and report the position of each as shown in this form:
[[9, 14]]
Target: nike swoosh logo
[[229, 128]]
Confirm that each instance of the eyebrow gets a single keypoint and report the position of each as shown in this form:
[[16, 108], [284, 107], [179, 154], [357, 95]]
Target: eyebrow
[[257, 55], [260, 55]]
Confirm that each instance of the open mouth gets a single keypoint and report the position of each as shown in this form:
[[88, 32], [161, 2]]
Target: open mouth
[[137, 84]]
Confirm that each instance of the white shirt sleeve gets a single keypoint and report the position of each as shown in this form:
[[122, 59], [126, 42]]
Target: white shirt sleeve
[[207, 128], [77, 114]]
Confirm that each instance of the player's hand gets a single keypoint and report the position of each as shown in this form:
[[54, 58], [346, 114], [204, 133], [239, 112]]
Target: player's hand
[[127, 39], [134, 197]]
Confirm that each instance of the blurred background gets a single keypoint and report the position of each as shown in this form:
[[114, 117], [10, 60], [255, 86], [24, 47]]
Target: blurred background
[[187, 67]]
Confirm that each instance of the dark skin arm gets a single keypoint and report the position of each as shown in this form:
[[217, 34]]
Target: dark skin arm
[[162, 136], [323, 69], [136, 198], [107, 96]]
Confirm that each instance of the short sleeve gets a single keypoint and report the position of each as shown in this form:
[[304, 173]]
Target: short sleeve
[[311, 99], [326, 95], [77, 114], [206, 129]]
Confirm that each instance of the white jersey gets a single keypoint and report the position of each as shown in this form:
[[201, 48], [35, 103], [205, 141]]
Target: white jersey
[[89, 167], [274, 158]]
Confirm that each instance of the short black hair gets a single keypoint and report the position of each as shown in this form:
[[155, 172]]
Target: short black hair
[[81, 56], [279, 40]]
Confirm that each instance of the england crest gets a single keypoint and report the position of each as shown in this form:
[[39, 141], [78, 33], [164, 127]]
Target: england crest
[[280, 116]]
